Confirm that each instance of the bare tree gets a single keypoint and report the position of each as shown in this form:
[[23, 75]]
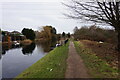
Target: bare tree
[[106, 11]]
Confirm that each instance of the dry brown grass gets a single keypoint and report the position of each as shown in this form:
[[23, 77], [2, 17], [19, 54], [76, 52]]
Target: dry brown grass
[[26, 42], [104, 50]]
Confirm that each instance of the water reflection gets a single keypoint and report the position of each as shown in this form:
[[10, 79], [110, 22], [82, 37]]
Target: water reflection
[[47, 46], [28, 49], [15, 57], [6, 47]]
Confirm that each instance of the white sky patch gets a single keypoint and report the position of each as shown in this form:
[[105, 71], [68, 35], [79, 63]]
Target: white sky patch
[[19, 15], [26, 19], [30, 0]]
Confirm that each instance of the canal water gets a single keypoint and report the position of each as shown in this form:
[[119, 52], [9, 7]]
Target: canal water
[[16, 59]]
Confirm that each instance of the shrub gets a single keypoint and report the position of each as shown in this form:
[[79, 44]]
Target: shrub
[[96, 34]]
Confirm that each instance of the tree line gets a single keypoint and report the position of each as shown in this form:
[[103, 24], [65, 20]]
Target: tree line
[[98, 11], [95, 33], [48, 33]]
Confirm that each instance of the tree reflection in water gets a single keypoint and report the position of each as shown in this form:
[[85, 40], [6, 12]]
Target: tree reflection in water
[[28, 49], [6, 47], [47, 45]]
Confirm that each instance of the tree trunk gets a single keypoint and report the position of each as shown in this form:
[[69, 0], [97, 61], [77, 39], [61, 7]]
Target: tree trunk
[[119, 41]]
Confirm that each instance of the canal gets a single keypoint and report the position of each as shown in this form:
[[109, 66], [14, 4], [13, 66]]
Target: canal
[[16, 59]]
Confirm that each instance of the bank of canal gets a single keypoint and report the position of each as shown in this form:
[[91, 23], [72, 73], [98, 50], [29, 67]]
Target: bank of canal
[[53, 65]]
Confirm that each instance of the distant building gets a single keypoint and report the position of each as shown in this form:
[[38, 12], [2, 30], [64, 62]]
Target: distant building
[[15, 36], [12, 36]]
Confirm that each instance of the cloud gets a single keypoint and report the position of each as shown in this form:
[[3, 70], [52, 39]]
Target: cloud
[[31, 0], [17, 15], [24, 19]]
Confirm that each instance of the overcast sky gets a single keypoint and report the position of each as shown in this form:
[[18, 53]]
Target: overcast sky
[[20, 14]]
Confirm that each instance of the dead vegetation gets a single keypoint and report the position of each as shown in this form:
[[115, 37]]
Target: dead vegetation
[[105, 51], [26, 42], [95, 33]]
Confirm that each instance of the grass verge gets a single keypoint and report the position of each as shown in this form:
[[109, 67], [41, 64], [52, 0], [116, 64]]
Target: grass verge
[[53, 65], [97, 68]]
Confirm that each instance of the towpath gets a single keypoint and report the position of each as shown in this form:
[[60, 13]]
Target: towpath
[[75, 65]]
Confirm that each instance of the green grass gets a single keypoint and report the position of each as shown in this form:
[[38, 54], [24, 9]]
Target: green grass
[[53, 65], [97, 68]]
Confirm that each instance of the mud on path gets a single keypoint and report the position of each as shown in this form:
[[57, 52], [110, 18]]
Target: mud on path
[[75, 65]]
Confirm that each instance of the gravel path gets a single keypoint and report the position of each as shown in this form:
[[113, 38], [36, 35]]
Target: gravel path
[[75, 66]]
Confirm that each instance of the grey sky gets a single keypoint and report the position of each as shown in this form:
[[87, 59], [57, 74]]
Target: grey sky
[[17, 15], [33, 14]]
